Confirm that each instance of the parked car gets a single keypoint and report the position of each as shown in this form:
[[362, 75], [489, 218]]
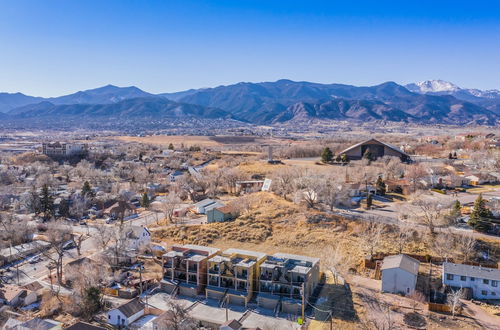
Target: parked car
[[83, 223], [69, 245], [35, 259]]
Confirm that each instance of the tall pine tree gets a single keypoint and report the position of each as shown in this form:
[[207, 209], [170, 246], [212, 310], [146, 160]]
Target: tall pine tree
[[480, 218]]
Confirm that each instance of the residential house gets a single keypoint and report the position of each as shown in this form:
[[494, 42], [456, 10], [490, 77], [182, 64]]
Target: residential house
[[401, 186], [185, 269], [284, 278], [14, 295], [376, 149], [483, 281], [35, 323], [127, 313], [84, 326], [10, 254], [220, 214], [249, 186], [120, 210], [205, 205], [399, 274], [233, 275], [138, 237]]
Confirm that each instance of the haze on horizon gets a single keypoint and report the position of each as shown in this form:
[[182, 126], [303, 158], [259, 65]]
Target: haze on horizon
[[59, 47]]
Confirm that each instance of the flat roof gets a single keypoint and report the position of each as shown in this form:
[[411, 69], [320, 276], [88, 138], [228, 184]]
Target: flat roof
[[258, 255]]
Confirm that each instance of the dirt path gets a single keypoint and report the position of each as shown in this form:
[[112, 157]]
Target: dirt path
[[485, 319]]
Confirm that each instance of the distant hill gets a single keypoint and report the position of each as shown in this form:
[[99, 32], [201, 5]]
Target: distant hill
[[9, 101], [281, 101], [130, 108]]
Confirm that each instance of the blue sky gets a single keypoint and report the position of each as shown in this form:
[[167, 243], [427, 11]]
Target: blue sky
[[55, 47]]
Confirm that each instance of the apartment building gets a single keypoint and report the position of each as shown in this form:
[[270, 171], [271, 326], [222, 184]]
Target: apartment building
[[233, 275], [61, 149], [283, 278], [185, 269], [482, 281]]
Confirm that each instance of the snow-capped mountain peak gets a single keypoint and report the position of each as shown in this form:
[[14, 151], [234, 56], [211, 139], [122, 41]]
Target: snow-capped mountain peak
[[434, 86]]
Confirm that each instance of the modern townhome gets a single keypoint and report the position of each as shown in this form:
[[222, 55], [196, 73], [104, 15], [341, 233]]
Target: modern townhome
[[233, 275], [185, 269], [482, 281], [284, 278]]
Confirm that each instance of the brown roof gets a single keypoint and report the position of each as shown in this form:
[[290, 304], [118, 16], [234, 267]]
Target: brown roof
[[9, 292], [33, 286], [132, 307], [225, 209]]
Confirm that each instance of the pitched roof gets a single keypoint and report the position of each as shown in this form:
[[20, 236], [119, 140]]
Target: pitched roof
[[401, 261], [472, 271], [84, 326], [390, 146], [9, 292], [233, 324], [33, 286], [132, 307]]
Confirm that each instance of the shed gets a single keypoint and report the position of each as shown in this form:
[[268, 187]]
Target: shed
[[399, 274], [220, 214]]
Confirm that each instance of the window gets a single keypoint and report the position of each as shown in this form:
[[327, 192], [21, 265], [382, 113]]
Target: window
[[484, 292], [449, 277], [472, 279], [493, 293], [109, 317], [494, 283], [486, 281], [462, 278]]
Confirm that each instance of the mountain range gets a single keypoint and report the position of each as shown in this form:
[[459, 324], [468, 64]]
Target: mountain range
[[282, 101]]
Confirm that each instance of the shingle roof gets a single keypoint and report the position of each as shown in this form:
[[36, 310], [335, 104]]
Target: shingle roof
[[132, 307], [84, 326], [473, 271], [233, 324], [401, 261]]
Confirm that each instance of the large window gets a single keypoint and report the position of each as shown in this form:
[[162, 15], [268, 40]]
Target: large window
[[449, 277], [463, 278], [485, 281]]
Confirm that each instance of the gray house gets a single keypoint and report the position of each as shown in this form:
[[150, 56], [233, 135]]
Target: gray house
[[484, 282], [399, 274], [220, 214]]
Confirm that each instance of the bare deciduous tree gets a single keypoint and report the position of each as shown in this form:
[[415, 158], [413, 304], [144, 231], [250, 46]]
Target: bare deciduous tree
[[169, 206], [453, 300]]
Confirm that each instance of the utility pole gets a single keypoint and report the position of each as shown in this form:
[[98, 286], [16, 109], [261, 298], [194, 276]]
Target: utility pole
[[303, 301], [227, 313]]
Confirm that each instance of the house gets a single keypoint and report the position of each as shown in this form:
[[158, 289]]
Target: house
[[138, 236], [120, 210], [84, 326], [401, 186], [127, 313], [248, 186], [375, 149], [35, 323], [233, 275], [284, 278], [185, 269], [10, 254], [483, 282], [207, 204], [399, 274], [220, 214], [13, 295], [231, 325]]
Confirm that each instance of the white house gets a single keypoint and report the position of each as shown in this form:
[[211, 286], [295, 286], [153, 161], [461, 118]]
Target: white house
[[127, 313], [13, 295], [399, 274], [138, 236], [482, 281]]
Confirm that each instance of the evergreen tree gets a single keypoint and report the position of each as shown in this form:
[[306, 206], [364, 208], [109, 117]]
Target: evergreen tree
[[450, 156], [480, 218], [455, 155], [87, 190], [338, 159], [326, 155], [145, 200], [380, 186], [369, 201], [64, 208], [46, 202], [171, 146], [367, 154], [345, 158]]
